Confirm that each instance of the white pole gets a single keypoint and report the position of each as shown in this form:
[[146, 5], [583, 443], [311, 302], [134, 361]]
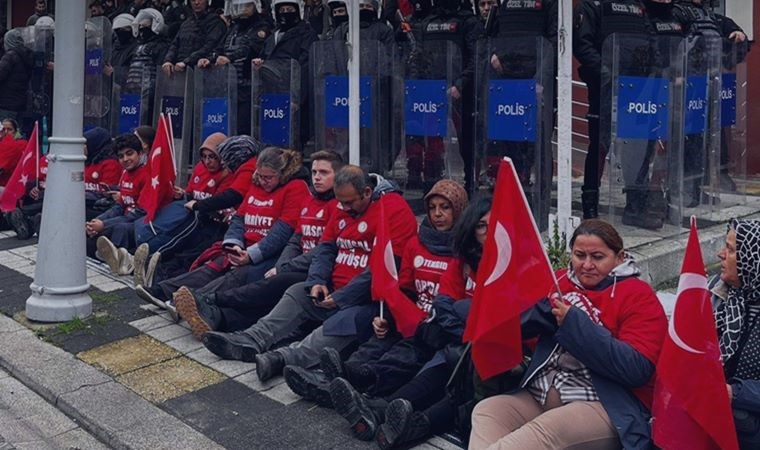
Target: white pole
[[564, 115], [354, 100]]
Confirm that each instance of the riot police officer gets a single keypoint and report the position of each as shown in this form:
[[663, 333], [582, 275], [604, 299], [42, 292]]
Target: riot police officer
[[150, 51]]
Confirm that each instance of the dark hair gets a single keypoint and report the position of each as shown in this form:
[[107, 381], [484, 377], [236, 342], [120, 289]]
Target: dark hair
[[466, 246], [12, 121], [353, 175], [335, 160], [147, 134], [601, 229], [127, 140]]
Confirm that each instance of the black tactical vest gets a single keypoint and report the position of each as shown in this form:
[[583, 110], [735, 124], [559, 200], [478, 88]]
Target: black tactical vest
[[623, 16], [523, 18], [698, 20]]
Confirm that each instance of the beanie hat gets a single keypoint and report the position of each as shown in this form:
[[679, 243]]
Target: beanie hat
[[451, 191]]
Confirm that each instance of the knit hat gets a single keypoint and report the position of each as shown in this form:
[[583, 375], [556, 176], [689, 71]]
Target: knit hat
[[212, 142], [451, 191]]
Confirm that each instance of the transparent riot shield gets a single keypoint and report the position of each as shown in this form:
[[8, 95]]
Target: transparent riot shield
[[171, 92], [329, 88], [731, 163], [130, 102], [276, 102], [40, 40], [639, 102], [97, 85], [426, 115], [514, 92], [215, 108]]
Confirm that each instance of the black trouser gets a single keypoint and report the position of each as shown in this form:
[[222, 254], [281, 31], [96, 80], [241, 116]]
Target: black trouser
[[594, 165], [426, 389], [747, 429]]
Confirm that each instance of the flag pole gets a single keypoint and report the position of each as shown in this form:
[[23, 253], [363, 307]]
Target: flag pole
[[382, 304], [37, 156]]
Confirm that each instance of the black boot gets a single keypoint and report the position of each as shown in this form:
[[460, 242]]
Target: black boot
[[402, 425], [310, 384], [20, 224], [657, 204], [331, 363], [350, 404], [590, 203], [269, 365], [198, 310], [635, 213], [237, 345]]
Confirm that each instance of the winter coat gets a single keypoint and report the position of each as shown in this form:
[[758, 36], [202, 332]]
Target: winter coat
[[15, 73], [244, 41], [292, 44], [197, 38]]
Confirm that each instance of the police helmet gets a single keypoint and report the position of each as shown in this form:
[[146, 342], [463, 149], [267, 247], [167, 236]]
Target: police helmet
[[123, 21], [297, 3], [148, 17], [234, 8]]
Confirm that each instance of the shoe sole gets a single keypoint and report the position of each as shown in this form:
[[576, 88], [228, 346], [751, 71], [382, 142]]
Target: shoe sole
[[151, 269], [390, 431], [347, 403], [188, 310], [300, 386], [141, 256], [20, 225], [145, 295], [108, 253], [126, 262], [331, 365], [172, 312], [222, 348]]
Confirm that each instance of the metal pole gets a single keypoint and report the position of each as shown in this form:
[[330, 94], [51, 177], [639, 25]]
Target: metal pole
[[59, 290], [354, 99], [564, 117]]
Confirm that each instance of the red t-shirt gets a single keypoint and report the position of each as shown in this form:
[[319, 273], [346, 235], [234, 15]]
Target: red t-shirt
[[421, 272], [261, 209], [131, 185], [107, 171], [458, 281], [356, 236], [204, 184], [243, 177], [314, 217]]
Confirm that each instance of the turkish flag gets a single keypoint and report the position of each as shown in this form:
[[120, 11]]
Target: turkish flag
[[691, 407], [159, 192], [385, 281], [26, 170], [513, 275], [406, 8]]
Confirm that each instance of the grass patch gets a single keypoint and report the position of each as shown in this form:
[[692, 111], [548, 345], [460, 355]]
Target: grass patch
[[77, 324], [106, 298]]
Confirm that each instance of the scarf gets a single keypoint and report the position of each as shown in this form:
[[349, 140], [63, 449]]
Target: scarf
[[437, 242]]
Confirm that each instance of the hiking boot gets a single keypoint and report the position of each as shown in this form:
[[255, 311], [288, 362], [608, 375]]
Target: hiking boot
[[126, 262], [590, 203], [140, 258], [150, 271], [361, 377], [151, 295], [199, 311], [331, 363], [237, 345], [108, 253], [312, 385], [350, 404], [20, 224], [402, 425], [269, 365]]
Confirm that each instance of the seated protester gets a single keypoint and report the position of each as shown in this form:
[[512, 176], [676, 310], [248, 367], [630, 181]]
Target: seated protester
[[337, 290], [258, 232], [174, 222], [426, 391], [736, 305], [240, 307], [113, 231], [146, 134], [12, 145], [101, 175], [238, 157], [387, 361], [590, 381]]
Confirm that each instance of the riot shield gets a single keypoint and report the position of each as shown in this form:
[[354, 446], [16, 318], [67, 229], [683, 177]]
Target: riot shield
[[215, 108], [514, 86], [97, 85], [276, 103], [40, 95], [130, 102], [640, 100], [329, 62], [171, 92], [426, 115]]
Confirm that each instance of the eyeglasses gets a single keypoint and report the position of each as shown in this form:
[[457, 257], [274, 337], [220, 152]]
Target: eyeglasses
[[266, 178]]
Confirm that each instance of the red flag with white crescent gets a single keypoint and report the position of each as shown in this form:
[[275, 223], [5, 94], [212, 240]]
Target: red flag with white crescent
[[691, 407], [26, 170], [385, 285], [513, 275], [160, 189]]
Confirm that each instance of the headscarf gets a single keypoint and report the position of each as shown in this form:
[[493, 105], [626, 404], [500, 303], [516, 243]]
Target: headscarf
[[730, 314], [13, 40], [236, 150]]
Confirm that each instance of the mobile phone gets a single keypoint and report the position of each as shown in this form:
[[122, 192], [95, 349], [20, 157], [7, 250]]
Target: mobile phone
[[229, 248], [319, 298]]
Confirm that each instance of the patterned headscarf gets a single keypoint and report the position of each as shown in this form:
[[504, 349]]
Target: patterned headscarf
[[236, 150], [731, 313]]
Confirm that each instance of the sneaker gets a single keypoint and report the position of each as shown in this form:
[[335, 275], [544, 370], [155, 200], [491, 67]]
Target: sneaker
[[150, 271], [237, 345], [126, 262], [312, 385], [20, 224], [350, 404], [150, 297], [141, 257], [199, 311], [108, 253], [172, 311]]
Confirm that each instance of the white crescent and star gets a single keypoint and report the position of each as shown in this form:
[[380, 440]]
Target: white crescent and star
[[686, 281], [390, 264], [155, 153], [503, 253]]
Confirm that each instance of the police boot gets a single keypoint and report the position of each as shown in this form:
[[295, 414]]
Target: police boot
[[657, 204], [402, 425], [635, 213], [590, 203]]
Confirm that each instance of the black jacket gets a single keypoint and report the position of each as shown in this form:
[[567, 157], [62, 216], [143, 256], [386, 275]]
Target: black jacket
[[15, 72], [197, 38], [292, 44]]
